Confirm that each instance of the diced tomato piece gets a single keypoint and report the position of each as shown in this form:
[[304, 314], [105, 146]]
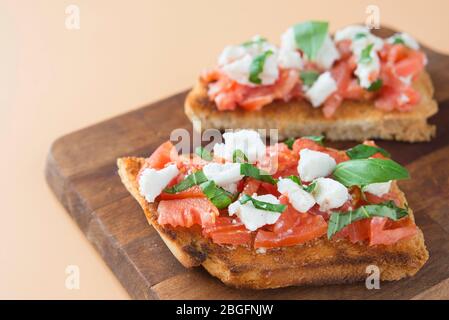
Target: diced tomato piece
[[411, 65], [331, 105], [193, 192], [187, 212], [393, 196], [251, 186], [356, 231], [280, 160], [379, 234], [161, 156], [256, 103], [344, 48], [227, 230]]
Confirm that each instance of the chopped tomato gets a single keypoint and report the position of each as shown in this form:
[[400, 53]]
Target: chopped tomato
[[393, 196], [251, 186], [280, 160], [187, 212], [304, 143], [193, 192], [356, 231], [227, 230], [161, 156], [380, 234], [292, 228]]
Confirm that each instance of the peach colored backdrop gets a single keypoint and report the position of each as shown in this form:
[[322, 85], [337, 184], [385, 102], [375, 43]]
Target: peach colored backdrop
[[126, 54]]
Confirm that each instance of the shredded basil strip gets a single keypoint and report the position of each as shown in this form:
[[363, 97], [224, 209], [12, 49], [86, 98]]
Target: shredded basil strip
[[398, 40], [365, 56], [310, 36], [309, 77], [361, 172], [376, 85], [257, 65], [317, 139], [217, 195], [252, 171], [339, 220], [239, 156], [360, 35], [188, 182], [310, 187], [262, 205], [297, 180], [204, 153], [249, 43], [289, 142], [363, 151]]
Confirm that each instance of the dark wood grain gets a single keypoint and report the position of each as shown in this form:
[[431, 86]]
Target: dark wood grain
[[81, 172]]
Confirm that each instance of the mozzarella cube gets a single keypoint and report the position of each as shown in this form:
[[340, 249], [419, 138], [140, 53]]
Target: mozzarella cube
[[248, 141], [238, 70], [289, 59], [409, 41], [314, 164], [288, 41], [327, 54], [230, 54], [349, 32], [224, 175], [152, 181], [323, 87], [330, 194], [300, 199], [378, 189], [254, 218]]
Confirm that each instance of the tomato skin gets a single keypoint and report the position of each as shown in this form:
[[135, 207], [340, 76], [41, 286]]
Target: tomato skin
[[161, 156], [187, 212], [227, 230], [380, 235]]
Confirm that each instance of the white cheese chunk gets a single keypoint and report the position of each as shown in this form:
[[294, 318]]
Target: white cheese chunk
[[300, 199], [314, 164], [378, 189], [230, 54], [289, 59], [350, 32], [152, 181], [330, 194], [224, 175], [367, 71], [288, 41], [254, 218], [323, 87], [248, 141], [327, 54], [409, 41]]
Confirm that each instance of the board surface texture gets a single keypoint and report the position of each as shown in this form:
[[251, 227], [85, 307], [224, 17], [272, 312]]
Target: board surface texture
[[81, 171]]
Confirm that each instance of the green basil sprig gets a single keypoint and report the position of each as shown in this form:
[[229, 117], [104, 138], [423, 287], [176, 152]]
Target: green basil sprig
[[289, 142], [363, 151], [339, 220], [262, 205], [309, 188], [188, 182], [317, 139], [361, 172], [252, 171], [218, 196], [204, 153], [257, 65], [309, 77], [398, 40], [360, 35], [239, 156], [375, 86], [365, 56], [310, 36]]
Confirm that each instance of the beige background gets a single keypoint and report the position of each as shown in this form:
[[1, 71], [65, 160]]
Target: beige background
[[127, 53]]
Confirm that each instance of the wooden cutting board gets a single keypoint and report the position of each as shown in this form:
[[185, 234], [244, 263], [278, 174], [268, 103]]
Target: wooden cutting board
[[81, 171]]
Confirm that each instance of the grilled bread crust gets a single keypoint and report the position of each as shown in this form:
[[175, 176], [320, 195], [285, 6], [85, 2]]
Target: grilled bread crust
[[352, 121], [316, 262]]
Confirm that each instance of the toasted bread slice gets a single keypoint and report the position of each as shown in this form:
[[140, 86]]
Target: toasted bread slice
[[352, 121], [314, 263]]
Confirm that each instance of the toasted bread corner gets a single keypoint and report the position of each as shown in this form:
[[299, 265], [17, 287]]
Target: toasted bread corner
[[352, 121], [317, 262]]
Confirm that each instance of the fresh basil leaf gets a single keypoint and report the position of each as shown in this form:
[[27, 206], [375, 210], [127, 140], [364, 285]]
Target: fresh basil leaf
[[218, 196], [295, 179], [361, 172], [252, 171], [262, 205], [376, 85], [317, 139], [363, 151], [204, 153], [365, 56], [256, 67], [339, 220], [188, 182], [289, 142], [258, 40], [398, 40], [310, 187], [310, 36], [360, 35], [239, 156], [309, 77]]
